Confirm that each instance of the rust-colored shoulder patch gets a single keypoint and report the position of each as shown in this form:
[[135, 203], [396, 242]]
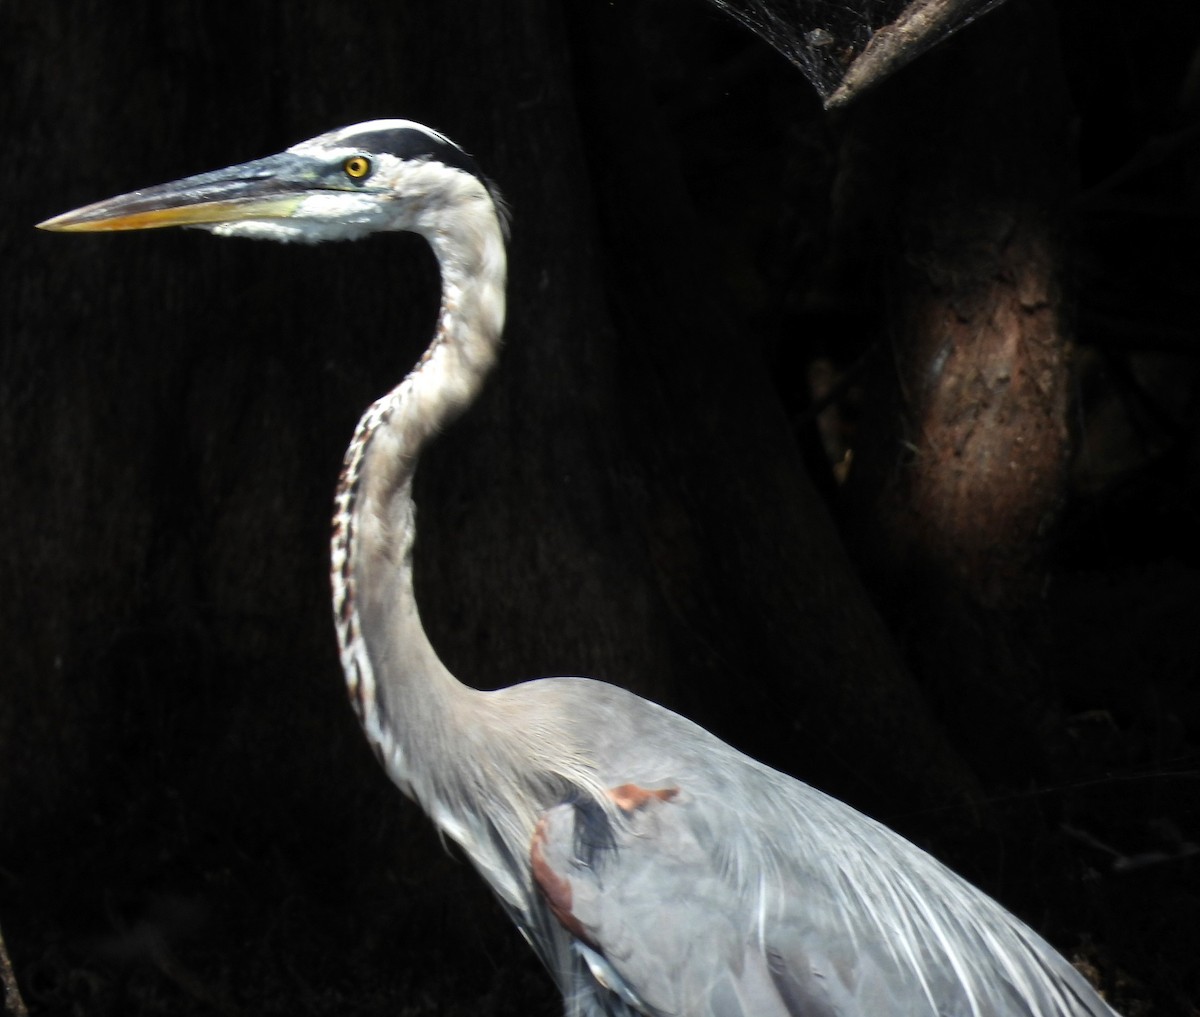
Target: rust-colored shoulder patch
[[555, 888], [631, 798]]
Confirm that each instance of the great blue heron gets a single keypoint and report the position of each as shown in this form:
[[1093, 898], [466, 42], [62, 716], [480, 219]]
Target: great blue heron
[[654, 869]]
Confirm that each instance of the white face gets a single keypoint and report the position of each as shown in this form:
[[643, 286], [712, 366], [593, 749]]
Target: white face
[[325, 215], [357, 191]]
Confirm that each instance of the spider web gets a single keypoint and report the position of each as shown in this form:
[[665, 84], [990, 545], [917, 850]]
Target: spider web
[[846, 46]]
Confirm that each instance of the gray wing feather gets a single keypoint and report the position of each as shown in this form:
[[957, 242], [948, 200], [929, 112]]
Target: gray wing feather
[[659, 928], [688, 910]]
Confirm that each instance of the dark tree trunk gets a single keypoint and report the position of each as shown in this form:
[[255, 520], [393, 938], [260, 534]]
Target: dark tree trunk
[[961, 470], [775, 643]]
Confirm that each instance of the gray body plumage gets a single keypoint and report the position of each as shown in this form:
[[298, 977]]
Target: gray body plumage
[[751, 893], [654, 869]]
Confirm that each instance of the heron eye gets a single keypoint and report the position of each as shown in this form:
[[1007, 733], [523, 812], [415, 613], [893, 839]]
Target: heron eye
[[357, 167]]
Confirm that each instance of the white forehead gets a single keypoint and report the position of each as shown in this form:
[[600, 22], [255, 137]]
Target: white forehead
[[344, 137]]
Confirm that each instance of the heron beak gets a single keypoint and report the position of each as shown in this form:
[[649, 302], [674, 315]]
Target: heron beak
[[270, 188]]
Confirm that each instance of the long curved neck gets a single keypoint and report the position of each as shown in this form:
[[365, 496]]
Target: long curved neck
[[482, 764], [403, 694]]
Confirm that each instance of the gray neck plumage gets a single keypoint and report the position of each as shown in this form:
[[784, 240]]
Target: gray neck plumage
[[405, 697], [482, 764]]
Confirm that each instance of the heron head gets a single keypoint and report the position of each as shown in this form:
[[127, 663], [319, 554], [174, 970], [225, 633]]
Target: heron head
[[375, 176]]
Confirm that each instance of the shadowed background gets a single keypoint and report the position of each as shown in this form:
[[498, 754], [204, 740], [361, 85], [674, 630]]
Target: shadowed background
[[717, 291]]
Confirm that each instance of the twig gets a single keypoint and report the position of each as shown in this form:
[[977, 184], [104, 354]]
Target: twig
[[14, 1005]]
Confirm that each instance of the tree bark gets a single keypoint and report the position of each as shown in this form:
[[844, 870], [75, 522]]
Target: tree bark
[[960, 474], [14, 1005]]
